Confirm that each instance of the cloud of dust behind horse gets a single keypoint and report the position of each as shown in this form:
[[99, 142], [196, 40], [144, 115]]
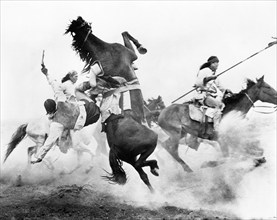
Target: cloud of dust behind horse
[[16, 164], [231, 187], [236, 187]]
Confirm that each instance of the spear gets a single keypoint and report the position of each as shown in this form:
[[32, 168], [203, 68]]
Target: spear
[[42, 60], [268, 46]]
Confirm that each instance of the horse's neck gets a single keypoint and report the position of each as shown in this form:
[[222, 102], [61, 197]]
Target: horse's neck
[[137, 104], [97, 45], [244, 104]]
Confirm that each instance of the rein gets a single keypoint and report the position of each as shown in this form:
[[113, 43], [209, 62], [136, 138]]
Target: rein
[[89, 31], [261, 106]]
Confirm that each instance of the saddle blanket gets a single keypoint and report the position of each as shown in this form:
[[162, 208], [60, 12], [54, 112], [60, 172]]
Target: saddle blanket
[[197, 113]]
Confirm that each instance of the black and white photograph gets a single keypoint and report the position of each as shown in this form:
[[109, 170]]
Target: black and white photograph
[[138, 110]]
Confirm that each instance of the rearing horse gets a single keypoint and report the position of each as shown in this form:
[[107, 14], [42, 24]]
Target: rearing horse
[[127, 137], [176, 122]]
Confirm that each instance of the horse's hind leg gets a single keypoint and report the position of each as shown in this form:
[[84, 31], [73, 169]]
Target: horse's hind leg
[[171, 145], [153, 166], [31, 150], [127, 37], [144, 178], [141, 162]]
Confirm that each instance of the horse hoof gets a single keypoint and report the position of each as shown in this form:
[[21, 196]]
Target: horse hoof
[[142, 50], [155, 172]]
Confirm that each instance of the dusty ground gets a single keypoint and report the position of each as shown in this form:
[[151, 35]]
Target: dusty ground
[[233, 190], [41, 193], [83, 202]]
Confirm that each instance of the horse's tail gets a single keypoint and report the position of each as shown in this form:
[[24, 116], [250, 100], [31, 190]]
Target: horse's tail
[[16, 138], [118, 175]]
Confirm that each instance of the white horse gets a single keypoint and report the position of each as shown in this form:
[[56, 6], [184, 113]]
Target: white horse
[[37, 131]]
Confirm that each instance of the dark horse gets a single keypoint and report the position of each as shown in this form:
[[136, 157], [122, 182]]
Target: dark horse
[[127, 136], [153, 108], [176, 122]]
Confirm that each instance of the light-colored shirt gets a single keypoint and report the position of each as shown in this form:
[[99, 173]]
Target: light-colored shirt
[[68, 88], [212, 86]]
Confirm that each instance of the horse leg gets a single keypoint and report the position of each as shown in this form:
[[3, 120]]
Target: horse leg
[[30, 151], [153, 166], [141, 162], [192, 141], [171, 145], [144, 177], [127, 37]]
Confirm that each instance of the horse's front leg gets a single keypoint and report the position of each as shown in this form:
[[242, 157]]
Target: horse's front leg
[[171, 145], [127, 37]]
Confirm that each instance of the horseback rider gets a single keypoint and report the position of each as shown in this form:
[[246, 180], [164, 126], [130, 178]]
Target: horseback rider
[[209, 92], [97, 85], [65, 114], [68, 87]]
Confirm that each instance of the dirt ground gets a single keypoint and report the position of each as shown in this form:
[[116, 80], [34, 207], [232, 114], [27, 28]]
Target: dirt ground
[[236, 189], [40, 193], [83, 202]]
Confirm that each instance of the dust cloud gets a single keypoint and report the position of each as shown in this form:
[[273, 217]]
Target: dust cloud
[[238, 186]]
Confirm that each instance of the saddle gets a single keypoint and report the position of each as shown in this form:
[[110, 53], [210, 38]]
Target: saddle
[[201, 113], [204, 115]]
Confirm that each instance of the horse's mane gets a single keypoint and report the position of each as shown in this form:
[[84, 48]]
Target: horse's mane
[[235, 97], [77, 43]]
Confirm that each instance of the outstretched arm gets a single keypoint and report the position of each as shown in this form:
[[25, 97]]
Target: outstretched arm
[[58, 92]]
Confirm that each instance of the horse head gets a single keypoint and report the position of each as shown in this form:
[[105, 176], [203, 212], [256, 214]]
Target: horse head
[[265, 92], [254, 91], [80, 30], [77, 26], [153, 109], [155, 104], [115, 59]]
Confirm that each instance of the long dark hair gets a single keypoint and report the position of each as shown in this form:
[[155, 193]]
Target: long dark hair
[[65, 78], [205, 65], [211, 60]]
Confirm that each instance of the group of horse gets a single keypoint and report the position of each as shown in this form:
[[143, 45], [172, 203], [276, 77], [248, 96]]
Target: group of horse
[[128, 136]]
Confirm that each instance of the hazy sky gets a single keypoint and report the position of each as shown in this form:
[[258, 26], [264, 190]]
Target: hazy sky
[[179, 36]]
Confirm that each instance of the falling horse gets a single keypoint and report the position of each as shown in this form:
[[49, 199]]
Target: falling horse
[[37, 131], [126, 135], [176, 122]]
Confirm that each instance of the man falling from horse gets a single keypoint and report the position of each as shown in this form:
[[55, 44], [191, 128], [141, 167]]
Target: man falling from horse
[[65, 114]]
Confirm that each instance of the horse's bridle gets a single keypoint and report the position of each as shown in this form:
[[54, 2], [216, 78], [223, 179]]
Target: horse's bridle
[[253, 105], [89, 31]]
